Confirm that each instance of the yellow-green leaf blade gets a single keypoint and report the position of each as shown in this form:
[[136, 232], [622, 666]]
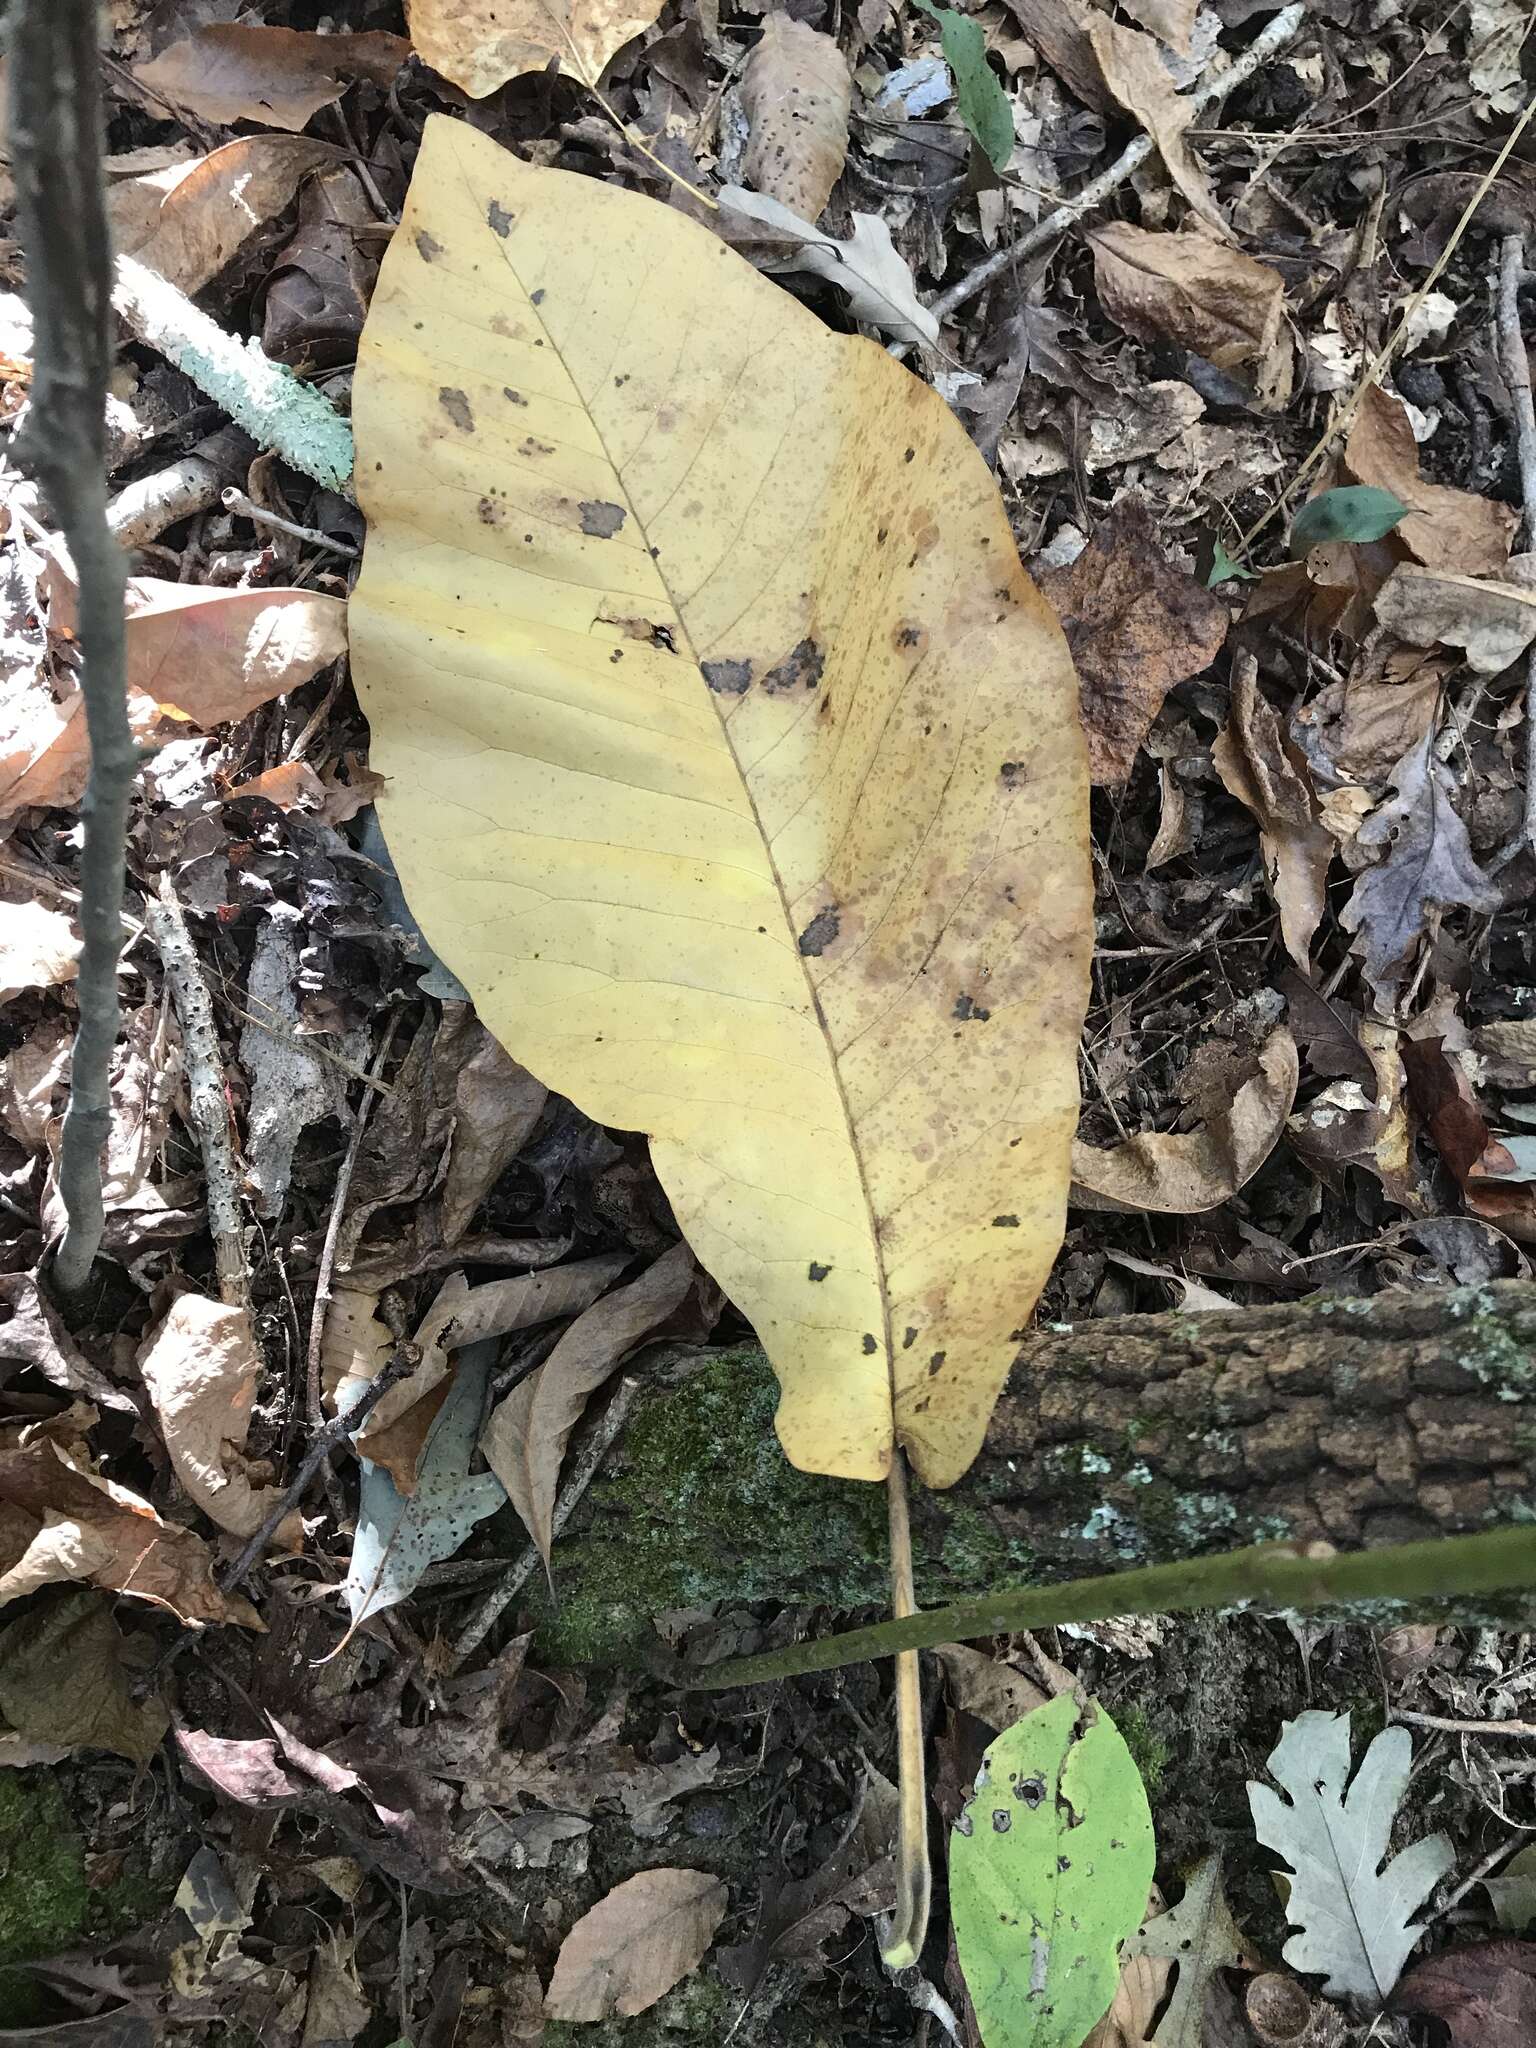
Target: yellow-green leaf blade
[[734, 768]]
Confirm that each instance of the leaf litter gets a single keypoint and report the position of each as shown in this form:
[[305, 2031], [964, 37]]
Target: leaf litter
[[1140, 364]]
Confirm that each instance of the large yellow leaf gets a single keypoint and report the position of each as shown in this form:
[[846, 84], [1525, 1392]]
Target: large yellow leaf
[[734, 766]]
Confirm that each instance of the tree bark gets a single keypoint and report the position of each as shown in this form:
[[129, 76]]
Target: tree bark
[[1136, 1440]]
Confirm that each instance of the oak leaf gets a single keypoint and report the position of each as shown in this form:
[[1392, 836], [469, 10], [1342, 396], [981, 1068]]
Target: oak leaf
[[733, 767]]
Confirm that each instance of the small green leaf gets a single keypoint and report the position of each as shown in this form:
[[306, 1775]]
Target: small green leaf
[[1223, 568], [1049, 1869], [1358, 512], [979, 95]]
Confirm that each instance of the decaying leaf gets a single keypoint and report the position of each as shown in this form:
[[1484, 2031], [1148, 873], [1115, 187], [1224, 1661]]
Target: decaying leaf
[[791, 869], [1196, 290], [1444, 528], [39, 948], [795, 92], [1198, 1936], [1512, 1894], [398, 1537], [291, 1086], [984, 1686], [1426, 859], [1049, 1869], [1180, 1173], [868, 268], [1136, 75], [1353, 1907], [201, 1367], [1264, 771], [188, 221], [65, 1677], [35, 1334], [635, 1944], [480, 44], [280, 77], [1141, 1989], [59, 1523], [1381, 710], [525, 1439], [1493, 623], [1136, 624], [1486, 1996]]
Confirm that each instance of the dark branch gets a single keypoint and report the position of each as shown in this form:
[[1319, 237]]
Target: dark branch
[[55, 135]]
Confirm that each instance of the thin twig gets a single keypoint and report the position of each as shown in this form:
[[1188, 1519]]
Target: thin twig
[[55, 145], [236, 501], [404, 1359], [584, 1467], [1447, 1725], [207, 1090], [1211, 92], [1515, 362]]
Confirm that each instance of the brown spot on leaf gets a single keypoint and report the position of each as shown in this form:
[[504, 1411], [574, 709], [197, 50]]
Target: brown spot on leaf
[[601, 519], [969, 1011], [729, 678], [909, 1338], [490, 513], [428, 247], [537, 298], [815, 1272], [529, 446], [820, 932], [800, 669], [1005, 1222], [457, 407], [936, 1362], [870, 1346], [498, 220], [512, 397]]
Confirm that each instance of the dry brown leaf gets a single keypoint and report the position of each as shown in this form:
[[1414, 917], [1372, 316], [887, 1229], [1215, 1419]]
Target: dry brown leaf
[[291, 785], [1365, 724], [59, 1521], [1139, 79], [35, 1334], [524, 1441], [496, 1105], [1137, 624], [1058, 29], [30, 1079], [1445, 529], [1200, 292], [635, 1944], [1182, 1173], [1443, 1096], [796, 92], [201, 1368], [1171, 21], [1493, 623], [991, 1690], [480, 44], [1344, 1126], [65, 1677], [188, 221], [1141, 1990], [1260, 768], [195, 656], [38, 948], [279, 77]]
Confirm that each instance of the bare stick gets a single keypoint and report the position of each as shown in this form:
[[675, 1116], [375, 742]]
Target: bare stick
[[1210, 93], [55, 123], [914, 1876], [1515, 362], [206, 1089]]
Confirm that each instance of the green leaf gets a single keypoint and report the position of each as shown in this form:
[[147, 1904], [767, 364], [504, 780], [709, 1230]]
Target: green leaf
[[1049, 1868], [1223, 568], [979, 94], [1357, 512]]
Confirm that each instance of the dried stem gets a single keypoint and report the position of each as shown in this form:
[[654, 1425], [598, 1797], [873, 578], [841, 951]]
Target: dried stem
[[1514, 360], [207, 1091], [914, 1880], [55, 143]]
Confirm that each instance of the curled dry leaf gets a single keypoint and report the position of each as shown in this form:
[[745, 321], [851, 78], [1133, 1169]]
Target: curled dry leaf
[[1262, 770], [1446, 529], [39, 948], [1205, 294], [868, 268], [1136, 624], [1363, 726], [635, 1944], [525, 1439], [1426, 859], [480, 44], [1443, 1097], [496, 1105], [188, 221], [854, 1053], [59, 1522], [1182, 1173], [280, 77], [1493, 623], [35, 1334], [796, 92], [1133, 69], [201, 1368]]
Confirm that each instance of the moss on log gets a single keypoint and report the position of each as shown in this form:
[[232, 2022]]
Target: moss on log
[[1135, 1440]]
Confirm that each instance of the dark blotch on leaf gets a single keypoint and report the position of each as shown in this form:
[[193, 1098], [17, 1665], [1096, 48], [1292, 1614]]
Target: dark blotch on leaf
[[970, 1011], [512, 397], [457, 407], [815, 1272], [1005, 1222], [428, 247], [1002, 1820], [800, 669], [909, 1338], [819, 933], [498, 220], [935, 1362], [1032, 1791], [870, 1346], [730, 678], [601, 519]]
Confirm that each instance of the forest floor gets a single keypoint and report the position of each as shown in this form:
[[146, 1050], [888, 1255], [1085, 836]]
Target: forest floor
[[1309, 1063]]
